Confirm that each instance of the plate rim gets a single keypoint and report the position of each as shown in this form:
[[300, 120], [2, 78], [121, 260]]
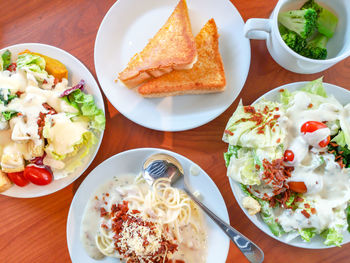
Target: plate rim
[[99, 94], [154, 126], [70, 218], [265, 230]]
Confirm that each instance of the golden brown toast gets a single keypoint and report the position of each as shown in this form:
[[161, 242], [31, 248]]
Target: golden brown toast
[[206, 76], [173, 47]]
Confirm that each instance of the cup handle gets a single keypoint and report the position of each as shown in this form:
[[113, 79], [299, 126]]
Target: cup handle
[[257, 28]]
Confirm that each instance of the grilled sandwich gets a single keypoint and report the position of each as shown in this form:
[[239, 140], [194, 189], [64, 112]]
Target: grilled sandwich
[[172, 48], [206, 76]]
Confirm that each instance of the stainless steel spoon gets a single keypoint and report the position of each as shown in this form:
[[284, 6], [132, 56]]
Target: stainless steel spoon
[[163, 165]]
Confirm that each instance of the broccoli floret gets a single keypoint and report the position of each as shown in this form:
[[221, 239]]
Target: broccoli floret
[[302, 22], [313, 5], [316, 47], [292, 39]]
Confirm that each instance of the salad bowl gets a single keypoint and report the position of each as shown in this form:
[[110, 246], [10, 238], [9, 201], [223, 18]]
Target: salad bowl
[[76, 72], [317, 242]]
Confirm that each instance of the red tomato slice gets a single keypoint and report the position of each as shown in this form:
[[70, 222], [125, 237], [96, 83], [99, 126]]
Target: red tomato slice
[[288, 156], [311, 126], [18, 179], [38, 175], [298, 187], [325, 142]]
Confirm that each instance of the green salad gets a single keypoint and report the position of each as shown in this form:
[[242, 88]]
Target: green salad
[[292, 159]]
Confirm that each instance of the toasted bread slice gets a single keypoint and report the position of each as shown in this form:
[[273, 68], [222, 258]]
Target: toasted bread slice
[[173, 47], [206, 76]]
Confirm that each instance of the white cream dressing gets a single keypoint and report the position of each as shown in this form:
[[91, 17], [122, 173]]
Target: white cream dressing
[[19, 137], [192, 248], [328, 186]]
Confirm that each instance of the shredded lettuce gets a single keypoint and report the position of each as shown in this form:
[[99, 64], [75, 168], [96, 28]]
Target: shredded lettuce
[[333, 236], [87, 108], [5, 60], [307, 233]]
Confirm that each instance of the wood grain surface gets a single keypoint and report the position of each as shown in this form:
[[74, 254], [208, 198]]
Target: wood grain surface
[[34, 230]]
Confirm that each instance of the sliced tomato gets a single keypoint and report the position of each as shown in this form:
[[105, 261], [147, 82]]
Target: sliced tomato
[[298, 187], [311, 126], [38, 175], [325, 142], [288, 156], [18, 179]]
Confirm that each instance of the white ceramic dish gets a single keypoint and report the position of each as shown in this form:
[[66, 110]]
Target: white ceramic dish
[[338, 46], [343, 96], [76, 72], [125, 30], [131, 162]]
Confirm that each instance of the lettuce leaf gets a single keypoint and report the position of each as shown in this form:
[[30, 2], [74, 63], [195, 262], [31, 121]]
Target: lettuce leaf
[[87, 107], [243, 131], [232, 150], [266, 214], [315, 87], [34, 64], [9, 114], [242, 168], [347, 212], [340, 139], [5, 60], [307, 233]]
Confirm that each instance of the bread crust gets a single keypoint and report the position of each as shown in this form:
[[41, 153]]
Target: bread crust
[[172, 47], [206, 76]]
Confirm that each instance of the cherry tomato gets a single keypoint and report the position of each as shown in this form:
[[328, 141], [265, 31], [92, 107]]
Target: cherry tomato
[[288, 156], [325, 142], [37, 175], [18, 179], [311, 126], [298, 187]]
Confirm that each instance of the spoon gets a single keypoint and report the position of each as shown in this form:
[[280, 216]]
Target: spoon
[[163, 165]]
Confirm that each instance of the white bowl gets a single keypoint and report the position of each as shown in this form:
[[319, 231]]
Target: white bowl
[[125, 30], [76, 72], [130, 162], [343, 96]]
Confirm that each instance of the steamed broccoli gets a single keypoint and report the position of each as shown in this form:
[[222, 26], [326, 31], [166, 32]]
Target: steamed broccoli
[[292, 39], [316, 47], [302, 22], [312, 4]]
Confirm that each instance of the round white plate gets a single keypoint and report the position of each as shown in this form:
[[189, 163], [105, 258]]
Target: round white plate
[[131, 162], [77, 71], [343, 96], [126, 29]]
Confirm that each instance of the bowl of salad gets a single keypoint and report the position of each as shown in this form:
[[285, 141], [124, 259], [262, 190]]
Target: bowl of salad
[[288, 162], [51, 119]]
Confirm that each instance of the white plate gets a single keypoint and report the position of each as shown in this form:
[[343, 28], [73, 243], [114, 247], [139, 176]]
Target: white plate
[[77, 71], [125, 30], [131, 162], [343, 96]]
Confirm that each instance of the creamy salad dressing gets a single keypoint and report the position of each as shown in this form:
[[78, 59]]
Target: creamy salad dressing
[[191, 249], [328, 186]]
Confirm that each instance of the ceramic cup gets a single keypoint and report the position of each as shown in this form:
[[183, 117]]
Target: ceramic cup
[[267, 29]]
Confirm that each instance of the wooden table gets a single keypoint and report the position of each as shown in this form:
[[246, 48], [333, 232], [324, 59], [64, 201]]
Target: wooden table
[[34, 230]]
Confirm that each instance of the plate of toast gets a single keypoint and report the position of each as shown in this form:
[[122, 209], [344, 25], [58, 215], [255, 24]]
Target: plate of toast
[[172, 65]]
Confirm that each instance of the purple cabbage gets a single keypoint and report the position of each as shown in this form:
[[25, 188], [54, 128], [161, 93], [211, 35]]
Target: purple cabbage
[[80, 86]]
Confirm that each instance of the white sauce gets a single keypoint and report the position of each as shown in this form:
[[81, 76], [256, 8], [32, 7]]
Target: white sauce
[[192, 249]]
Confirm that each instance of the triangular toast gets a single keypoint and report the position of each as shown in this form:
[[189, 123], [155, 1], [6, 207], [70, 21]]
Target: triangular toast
[[173, 47], [206, 76]]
